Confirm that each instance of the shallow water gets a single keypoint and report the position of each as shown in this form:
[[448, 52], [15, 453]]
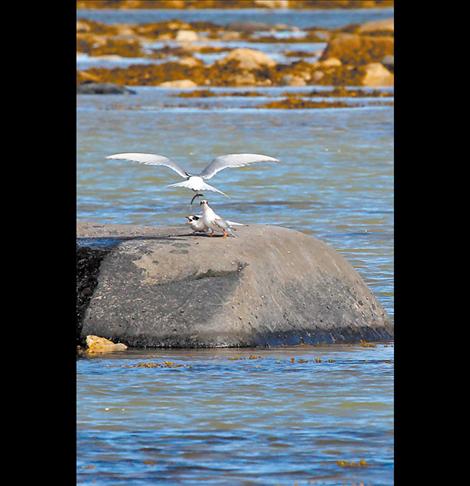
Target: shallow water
[[328, 19], [275, 50], [225, 420]]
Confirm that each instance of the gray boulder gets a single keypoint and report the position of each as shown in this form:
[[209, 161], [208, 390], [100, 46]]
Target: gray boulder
[[268, 286]]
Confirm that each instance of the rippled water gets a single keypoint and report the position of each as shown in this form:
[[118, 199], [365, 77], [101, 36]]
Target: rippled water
[[217, 419], [327, 19], [225, 420]]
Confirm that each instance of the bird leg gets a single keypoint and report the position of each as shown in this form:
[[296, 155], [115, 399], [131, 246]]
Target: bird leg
[[225, 234], [195, 196]]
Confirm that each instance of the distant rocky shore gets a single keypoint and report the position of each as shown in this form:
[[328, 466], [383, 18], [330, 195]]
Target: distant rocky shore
[[221, 4], [356, 55]]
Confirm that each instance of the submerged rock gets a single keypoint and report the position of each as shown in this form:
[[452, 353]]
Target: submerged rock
[[102, 88], [163, 287]]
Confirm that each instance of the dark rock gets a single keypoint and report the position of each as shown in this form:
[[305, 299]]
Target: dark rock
[[102, 88], [164, 287], [88, 266]]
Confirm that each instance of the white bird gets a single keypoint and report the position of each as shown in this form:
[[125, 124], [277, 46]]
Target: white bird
[[213, 221], [196, 182], [196, 223], [198, 226]]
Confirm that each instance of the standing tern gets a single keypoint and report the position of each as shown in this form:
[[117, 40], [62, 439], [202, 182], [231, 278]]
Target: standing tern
[[213, 221], [196, 182]]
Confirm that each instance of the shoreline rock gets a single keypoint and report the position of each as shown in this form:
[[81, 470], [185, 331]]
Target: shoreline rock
[[102, 88], [348, 54], [269, 286]]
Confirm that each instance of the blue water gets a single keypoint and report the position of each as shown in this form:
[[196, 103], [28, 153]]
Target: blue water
[[223, 420], [300, 18]]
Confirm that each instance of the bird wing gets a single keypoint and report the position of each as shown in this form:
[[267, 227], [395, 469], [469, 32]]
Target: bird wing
[[151, 159], [221, 223], [233, 160], [224, 225]]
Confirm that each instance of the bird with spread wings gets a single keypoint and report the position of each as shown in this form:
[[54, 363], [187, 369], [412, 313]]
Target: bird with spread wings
[[196, 182]]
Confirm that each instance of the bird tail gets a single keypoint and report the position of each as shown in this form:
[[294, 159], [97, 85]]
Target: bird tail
[[181, 184], [202, 187], [208, 187], [232, 223]]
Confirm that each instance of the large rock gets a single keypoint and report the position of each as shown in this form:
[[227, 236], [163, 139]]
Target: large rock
[[358, 49], [330, 62], [186, 36], [272, 3], [242, 79], [291, 80], [385, 25], [248, 59], [164, 287], [375, 74], [180, 83]]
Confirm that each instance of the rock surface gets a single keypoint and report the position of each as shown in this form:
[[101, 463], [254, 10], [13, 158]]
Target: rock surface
[[358, 49], [180, 83], [248, 59], [385, 25], [186, 36], [102, 88], [375, 74], [99, 345], [164, 287]]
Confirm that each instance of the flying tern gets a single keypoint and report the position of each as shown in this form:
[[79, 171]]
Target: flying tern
[[196, 182]]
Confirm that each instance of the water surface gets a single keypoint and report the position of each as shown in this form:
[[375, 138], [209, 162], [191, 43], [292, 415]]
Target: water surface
[[327, 19], [223, 418]]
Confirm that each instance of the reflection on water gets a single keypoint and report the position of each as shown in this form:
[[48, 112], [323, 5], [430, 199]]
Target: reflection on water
[[284, 416]]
